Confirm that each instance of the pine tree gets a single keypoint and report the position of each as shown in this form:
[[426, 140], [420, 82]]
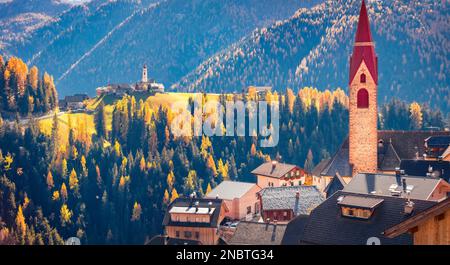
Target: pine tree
[[174, 195], [416, 116], [65, 215], [170, 180], [137, 210], [50, 183], [100, 120], [166, 197], [73, 180], [63, 192], [21, 226]]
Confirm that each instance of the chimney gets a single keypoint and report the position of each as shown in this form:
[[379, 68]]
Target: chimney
[[397, 171], [196, 206], [409, 205], [274, 164], [209, 206], [404, 185]]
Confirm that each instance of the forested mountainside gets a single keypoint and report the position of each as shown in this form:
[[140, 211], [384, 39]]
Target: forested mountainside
[[18, 18], [313, 47], [89, 47], [107, 177], [25, 91]]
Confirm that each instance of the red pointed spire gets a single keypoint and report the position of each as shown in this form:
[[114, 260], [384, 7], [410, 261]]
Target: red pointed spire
[[363, 32], [364, 48]]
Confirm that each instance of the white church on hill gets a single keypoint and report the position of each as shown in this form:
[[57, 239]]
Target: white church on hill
[[145, 85]]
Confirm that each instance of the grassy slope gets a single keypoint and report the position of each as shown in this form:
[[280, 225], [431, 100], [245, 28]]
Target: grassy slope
[[83, 119]]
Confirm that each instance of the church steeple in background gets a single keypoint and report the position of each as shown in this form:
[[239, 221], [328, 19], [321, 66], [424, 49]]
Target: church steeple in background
[[364, 48], [363, 132]]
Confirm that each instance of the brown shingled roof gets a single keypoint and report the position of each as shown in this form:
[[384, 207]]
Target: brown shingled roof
[[274, 170]]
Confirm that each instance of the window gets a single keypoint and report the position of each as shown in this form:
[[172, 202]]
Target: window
[[177, 233], [197, 235], [249, 209], [187, 234], [363, 99], [363, 78], [350, 212]]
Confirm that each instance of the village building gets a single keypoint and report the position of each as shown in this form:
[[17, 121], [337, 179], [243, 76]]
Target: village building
[[195, 219], [73, 102], [430, 227], [337, 183], [436, 146], [260, 91], [430, 168], [275, 174], [282, 204], [144, 85], [399, 185], [240, 198], [367, 150], [355, 219], [254, 233]]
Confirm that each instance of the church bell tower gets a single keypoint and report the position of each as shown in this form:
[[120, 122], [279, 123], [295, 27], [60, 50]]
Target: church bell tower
[[363, 84], [144, 74]]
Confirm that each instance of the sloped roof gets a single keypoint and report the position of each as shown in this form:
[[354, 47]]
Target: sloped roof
[[388, 159], [408, 143], [382, 183], [189, 203], [275, 171], [438, 141], [228, 190], [419, 167], [413, 221], [320, 167], [326, 225], [446, 152], [254, 233], [337, 183], [395, 145], [283, 198], [294, 230], [360, 202], [339, 162]]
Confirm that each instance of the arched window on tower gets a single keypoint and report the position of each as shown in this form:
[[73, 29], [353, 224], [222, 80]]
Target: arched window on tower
[[363, 99], [362, 78]]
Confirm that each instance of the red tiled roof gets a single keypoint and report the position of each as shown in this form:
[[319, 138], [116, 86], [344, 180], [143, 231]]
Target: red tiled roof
[[364, 49]]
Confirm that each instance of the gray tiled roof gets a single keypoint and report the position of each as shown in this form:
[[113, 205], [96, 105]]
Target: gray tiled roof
[[228, 190], [320, 167], [326, 225], [337, 183], [253, 233], [381, 183], [282, 198], [277, 171], [438, 141], [339, 162], [439, 169], [388, 158], [396, 146]]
